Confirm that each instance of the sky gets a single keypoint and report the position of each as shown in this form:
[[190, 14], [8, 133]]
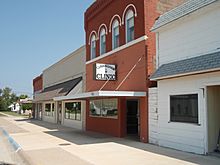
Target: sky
[[34, 34]]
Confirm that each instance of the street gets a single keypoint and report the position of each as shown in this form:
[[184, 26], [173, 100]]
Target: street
[[50, 144]]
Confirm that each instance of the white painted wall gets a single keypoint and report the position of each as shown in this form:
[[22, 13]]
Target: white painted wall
[[184, 136], [193, 35], [71, 66], [153, 115]]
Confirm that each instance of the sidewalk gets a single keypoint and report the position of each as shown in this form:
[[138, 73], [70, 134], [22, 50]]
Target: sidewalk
[[50, 144]]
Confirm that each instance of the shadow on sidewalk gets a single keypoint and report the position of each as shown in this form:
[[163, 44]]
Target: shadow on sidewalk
[[86, 137]]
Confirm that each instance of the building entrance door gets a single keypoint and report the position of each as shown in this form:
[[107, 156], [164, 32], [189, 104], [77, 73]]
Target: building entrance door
[[59, 112], [213, 108], [132, 117]]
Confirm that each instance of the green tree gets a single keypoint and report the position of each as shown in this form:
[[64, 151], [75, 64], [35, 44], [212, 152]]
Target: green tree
[[27, 106], [7, 98], [23, 96], [14, 98]]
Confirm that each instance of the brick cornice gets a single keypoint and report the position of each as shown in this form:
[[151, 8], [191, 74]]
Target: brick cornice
[[95, 8]]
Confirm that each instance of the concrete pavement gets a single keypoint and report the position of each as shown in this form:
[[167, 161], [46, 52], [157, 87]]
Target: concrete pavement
[[8, 153], [46, 144]]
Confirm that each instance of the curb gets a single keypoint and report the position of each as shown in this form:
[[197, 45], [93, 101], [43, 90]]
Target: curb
[[17, 148], [14, 144]]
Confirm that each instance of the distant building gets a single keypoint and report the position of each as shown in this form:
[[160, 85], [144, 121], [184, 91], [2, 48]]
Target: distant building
[[37, 105], [15, 107], [63, 79]]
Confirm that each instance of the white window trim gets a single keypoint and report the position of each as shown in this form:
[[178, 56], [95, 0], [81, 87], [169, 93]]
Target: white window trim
[[135, 12], [100, 28], [199, 108], [111, 22], [129, 15], [90, 36], [143, 38]]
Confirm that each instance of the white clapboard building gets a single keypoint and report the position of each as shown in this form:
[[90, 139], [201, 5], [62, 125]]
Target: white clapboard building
[[184, 109]]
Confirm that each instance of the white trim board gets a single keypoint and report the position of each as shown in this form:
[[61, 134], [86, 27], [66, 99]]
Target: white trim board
[[101, 94], [143, 38]]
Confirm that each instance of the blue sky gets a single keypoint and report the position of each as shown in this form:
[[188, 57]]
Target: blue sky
[[35, 34]]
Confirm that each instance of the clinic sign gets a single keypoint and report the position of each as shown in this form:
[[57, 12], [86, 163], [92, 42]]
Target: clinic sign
[[105, 72]]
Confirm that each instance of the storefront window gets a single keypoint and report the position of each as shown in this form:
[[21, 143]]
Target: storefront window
[[48, 109], [184, 108], [104, 108], [73, 110]]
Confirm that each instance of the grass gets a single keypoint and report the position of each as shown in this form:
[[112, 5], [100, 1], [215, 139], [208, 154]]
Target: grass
[[1, 115], [12, 114]]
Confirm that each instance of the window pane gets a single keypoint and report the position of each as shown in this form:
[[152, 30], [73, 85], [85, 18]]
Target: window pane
[[78, 110], [130, 29], [110, 108], [93, 49], [104, 107], [95, 107], [47, 109], [131, 22], [184, 108], [115, 37], [103, 44], [73, 110], [69, 111]]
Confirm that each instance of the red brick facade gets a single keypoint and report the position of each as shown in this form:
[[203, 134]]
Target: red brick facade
[[38, 83], [140, 56]]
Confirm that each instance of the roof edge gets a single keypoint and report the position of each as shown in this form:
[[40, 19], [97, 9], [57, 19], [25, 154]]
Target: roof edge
[[154, 28], [185, 74]]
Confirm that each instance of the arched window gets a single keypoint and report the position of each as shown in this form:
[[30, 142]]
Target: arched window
[[129, 26], [115, 34], [102, 38], [93, 47]]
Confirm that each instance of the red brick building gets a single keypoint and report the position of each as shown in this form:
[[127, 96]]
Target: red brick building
[[38, 84], [119, 42], [118, 37], [37, 88]]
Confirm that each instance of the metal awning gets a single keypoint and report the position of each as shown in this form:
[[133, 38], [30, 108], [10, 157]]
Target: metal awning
[[61, 89], [101, 94]]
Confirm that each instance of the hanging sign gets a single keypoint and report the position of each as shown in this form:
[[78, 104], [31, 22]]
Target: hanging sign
[[104, 72]]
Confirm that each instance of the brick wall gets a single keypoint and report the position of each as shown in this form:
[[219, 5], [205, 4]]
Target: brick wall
[[153, 9], [102, 12], [38, 83]]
